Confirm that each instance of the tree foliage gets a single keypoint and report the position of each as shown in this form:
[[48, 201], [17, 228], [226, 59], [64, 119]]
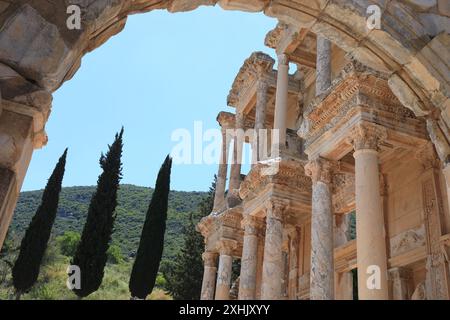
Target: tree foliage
[[185, 274], [91, 254], [149, 254], [26, 268]]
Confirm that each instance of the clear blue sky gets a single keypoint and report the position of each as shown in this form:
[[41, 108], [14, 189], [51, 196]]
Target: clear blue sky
[[163, 72]]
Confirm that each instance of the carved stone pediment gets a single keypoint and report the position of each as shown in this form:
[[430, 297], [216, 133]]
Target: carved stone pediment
[[288, 173], [258, 63], [356, 87]]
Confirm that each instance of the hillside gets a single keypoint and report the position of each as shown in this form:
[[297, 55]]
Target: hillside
[[133, 203]]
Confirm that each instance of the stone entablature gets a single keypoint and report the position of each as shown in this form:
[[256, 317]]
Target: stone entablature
[[358, 94]]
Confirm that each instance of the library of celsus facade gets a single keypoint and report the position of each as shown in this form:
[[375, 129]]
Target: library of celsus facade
[[361, 132], [347, 146]]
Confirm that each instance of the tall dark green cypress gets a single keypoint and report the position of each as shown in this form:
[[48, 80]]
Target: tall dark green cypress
[[148, 257], [184, 276], [26, 268], [91, 254]]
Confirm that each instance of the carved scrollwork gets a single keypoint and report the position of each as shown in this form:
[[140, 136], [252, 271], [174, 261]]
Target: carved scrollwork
[[366, 136]]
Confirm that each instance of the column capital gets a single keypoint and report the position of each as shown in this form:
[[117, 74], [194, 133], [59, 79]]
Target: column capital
[[210, 259], [275, 209], [365, 136], [321, 170], [226, 246], [251, 225], [283, 59]]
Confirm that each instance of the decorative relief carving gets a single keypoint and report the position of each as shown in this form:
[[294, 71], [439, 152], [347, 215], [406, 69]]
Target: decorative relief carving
[[356, 88], [226, 246], [366, 136], [251, 225], [226, 120], [256, 65], [407, 241], [343, 190], [320, 170], [290, 174], [275, 209], [436, 283]]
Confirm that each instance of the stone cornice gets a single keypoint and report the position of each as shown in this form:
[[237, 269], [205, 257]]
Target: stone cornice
[[226, 119], [356, 86], [289, 173], [274, 37], [257, 65]]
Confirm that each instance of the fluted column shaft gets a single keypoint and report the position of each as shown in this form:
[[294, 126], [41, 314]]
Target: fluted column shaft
[[322, 248], [219, 196], [370, 244], [247, 283], [273, 256], [323, 63], [209, 275], [281, 105]]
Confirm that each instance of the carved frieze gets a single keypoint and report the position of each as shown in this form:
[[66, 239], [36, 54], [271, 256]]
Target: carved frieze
[[255, 66], [288, 173], [407, 240], [357, 88]]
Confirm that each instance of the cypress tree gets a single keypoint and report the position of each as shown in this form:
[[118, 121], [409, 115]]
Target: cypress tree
[[91, 253], [148, 257], [26, 268], [185, 275]]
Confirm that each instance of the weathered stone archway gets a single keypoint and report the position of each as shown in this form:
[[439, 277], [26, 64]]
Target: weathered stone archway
[[38, 54]]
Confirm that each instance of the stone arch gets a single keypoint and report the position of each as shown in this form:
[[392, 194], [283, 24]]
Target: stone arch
[[38, 53]]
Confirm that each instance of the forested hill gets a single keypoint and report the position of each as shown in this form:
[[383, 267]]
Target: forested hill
[[133, 203]]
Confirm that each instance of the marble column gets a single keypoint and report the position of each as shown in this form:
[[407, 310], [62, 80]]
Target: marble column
[[370, 230], [247, 284], [343, 282], [223, 285], [322, 248], [401, 283], [219, 197], [260, 140], [16, 148], [293, 263], [273, 257], [323, 65], [281, 106], [209, 275], [238, 142], [446, 173]]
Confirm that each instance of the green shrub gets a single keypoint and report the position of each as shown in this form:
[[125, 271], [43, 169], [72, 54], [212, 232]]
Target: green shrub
[[68, 242]]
